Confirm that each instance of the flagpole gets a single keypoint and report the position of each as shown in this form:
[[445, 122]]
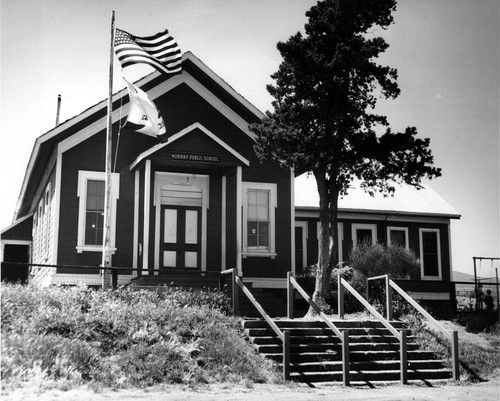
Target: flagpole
[[106, 245]]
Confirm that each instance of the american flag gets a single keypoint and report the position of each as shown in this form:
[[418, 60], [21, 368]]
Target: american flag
[[160, 51]]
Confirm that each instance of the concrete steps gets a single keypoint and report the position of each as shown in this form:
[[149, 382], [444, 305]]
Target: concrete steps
[[316, 353]]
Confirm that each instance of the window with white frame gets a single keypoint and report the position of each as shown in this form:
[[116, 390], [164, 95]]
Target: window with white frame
[[398, 236], [430, 253], [259, 204], [363, 234], [91, 192]]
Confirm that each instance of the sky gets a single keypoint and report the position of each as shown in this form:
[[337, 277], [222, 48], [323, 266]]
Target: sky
[[446, 52]]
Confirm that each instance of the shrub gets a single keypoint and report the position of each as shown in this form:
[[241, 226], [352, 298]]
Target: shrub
[[369, 260], [123, 337], [478, 321]]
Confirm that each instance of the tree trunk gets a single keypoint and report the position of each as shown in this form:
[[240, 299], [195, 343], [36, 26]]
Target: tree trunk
[[326, 242]]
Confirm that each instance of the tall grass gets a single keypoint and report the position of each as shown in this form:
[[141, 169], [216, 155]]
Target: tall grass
[[477, 363], [64, 337]]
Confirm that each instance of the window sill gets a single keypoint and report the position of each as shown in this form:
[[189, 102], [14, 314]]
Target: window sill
[[432, 278], [93, 248], [251, 254]]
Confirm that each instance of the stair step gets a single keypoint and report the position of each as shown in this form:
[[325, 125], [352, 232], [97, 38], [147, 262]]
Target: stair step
[[268, 332], [364, 376], [353, 356], [270, 348], [326, 339], [335, 366], [341, 324]]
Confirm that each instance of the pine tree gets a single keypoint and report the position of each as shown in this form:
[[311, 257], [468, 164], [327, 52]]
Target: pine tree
[[324, 122]]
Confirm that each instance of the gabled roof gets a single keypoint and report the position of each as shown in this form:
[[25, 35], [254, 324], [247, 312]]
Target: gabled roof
[[407, 200], [183, 133], [195, 72]]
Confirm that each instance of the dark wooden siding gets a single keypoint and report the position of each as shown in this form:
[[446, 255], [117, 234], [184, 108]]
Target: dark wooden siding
[[413, 238]]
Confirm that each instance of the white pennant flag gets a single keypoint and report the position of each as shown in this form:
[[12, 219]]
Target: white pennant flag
[[143, 115]]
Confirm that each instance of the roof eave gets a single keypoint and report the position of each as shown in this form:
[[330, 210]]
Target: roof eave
[[385, 212]]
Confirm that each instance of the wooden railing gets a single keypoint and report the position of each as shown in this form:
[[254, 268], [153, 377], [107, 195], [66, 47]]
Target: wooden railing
[[401, 336], [234, 289], [284, 335], [450, 336], [343, 336]]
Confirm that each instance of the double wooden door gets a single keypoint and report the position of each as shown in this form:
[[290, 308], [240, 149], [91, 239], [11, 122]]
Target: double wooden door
[[180, 237]]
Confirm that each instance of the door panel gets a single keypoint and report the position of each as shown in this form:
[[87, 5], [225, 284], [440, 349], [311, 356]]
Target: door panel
[[181, 237], [191, 259], [191, 227], [169, 259], [170, 226]]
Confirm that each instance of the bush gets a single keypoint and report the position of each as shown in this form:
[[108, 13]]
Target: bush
[[478, 321], [369, 260], [122, 338]]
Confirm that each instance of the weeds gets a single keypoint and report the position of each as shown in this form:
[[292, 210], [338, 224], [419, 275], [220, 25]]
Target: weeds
[[477, 363], [65, 337]]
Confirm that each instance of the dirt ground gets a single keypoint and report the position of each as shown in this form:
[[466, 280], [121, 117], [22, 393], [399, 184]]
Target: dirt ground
[[486, 391]]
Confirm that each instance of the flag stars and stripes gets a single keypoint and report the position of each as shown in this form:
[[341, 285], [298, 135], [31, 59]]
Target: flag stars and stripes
[[160, 51]]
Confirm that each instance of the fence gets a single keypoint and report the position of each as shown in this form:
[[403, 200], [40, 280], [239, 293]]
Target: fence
[[467, 299]]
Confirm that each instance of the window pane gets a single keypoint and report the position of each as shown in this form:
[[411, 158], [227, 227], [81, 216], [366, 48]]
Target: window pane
[[264, 198], [252, 234], [397, 237], [430, 253], [252, 196], [263, 213], [364, 236], [252, 212], [94, 228], [94, 222], [95, 195], [264, 234]]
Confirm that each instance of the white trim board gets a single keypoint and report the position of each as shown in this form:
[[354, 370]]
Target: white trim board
[[182, 133]]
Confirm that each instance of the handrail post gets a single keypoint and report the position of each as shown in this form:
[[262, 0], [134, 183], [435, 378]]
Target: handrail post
[[114, 278], [403, 357], [367, 289], [455, 355], [235, 293], [286, 355], [340, 291], [345, 358], [290, 298], [221, 282], [388, 298]]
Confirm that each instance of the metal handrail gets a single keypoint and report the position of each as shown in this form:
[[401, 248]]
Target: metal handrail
[[314, 306], [413, 303], [451, 336], [403, 356], [261, 310], [284, 335], [370, 308], [344, 335]]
